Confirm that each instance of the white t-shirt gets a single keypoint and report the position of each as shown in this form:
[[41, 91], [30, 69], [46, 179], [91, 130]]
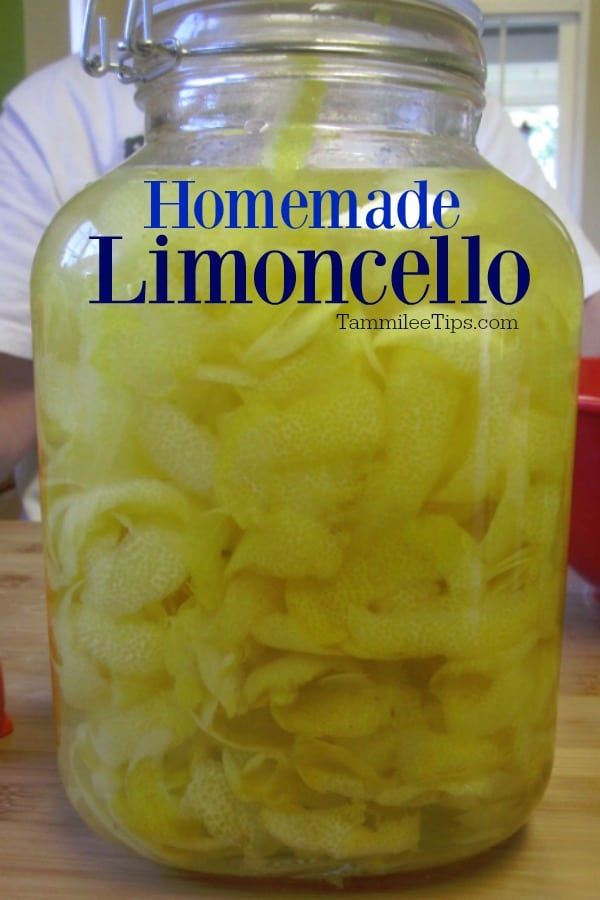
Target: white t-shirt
[[61, 129]]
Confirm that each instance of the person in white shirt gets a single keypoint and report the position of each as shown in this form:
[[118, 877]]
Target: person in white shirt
[[60, 130]]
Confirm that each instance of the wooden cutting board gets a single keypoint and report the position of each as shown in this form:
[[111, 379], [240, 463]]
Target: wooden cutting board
[[46, 851]]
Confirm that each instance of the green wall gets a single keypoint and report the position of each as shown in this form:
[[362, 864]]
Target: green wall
[[12, 45]]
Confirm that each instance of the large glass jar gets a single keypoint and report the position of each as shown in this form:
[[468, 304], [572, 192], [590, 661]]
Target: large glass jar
[[306, 501]]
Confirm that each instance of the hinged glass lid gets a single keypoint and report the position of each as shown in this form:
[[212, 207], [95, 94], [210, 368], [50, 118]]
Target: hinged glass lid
[[157, 36]]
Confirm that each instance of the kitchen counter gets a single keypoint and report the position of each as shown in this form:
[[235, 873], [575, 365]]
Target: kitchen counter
[[45, 850]]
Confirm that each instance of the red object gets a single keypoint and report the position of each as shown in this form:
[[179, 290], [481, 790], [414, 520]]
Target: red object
[[6, 725], [584, 552]]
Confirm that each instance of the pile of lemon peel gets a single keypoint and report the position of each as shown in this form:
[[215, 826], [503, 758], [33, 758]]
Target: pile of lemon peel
[[305, 586]]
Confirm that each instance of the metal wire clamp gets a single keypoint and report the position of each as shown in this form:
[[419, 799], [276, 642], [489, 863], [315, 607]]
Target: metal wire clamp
[[139, 59]]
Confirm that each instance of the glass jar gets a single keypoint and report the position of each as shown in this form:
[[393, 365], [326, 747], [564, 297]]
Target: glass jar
[[305, 375]]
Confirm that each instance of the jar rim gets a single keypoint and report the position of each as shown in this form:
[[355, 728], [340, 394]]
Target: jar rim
[[212, 27], [158, 36]]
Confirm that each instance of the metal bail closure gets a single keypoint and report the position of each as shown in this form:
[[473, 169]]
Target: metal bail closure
[[138, 60]]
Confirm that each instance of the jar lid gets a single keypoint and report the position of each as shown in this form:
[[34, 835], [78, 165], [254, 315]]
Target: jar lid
[[466, 8], [158, 34]]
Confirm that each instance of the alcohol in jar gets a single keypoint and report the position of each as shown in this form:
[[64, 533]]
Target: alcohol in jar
[[305, 580]]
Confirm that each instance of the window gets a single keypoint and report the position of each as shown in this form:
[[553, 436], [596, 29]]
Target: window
[[523, 73], [532, 49]]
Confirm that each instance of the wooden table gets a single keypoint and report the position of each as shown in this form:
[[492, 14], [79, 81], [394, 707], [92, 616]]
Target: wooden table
[[46, 852]]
